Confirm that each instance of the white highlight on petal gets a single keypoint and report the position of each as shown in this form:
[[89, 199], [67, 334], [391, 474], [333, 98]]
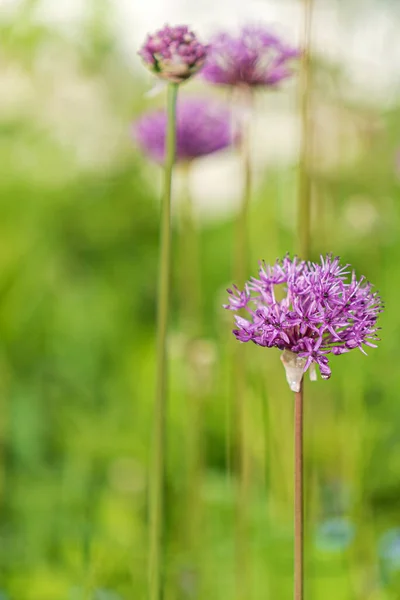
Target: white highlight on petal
[[294, 367], [313, 372], [157, 88]]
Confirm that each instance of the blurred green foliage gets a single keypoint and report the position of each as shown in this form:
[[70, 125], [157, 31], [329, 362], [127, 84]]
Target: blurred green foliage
[[78, 280]]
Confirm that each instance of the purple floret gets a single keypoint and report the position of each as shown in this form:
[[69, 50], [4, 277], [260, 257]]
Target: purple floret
[[173, 53], [203, 127], [325, 310], [254, 57]]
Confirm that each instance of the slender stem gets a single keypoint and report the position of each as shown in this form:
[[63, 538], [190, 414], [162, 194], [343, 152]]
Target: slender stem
[[304, 197], [157, 475], [304, 247], [298, 496], [241, 256], [190, 295], [190, 256], [239, 363]]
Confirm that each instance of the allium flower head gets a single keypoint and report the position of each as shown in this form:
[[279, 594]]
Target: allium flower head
[[254, 57], [203, 127], [325, 310], [173, 53]]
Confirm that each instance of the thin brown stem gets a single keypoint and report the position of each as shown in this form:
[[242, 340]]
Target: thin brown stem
[[304, 247], [239, 362], [241, 246], [304, 186], [190, 294], [298, 497], [190, 260]]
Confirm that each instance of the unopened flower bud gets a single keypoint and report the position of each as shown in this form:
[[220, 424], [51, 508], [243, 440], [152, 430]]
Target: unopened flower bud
[[173, 53]]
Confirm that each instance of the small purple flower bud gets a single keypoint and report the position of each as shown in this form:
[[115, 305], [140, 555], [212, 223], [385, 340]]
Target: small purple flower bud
[[173, 53]]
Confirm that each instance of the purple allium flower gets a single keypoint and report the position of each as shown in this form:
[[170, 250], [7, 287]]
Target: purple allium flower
[[254, 57], [173, 53], [325, 310], [203, 127]]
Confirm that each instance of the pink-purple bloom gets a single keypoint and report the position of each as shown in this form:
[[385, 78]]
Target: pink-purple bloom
[[254, 57], [325, 309], [202, 127], [173, 53]]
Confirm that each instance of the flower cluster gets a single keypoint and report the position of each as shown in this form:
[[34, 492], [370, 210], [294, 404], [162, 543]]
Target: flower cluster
[[325, 309], [255, 57], [203, 127], [173, 53]]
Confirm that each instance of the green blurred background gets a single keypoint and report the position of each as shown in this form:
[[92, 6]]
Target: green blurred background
[[79, 211]]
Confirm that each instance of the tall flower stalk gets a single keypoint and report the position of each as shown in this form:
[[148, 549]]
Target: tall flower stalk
[[190, 256], [304, 182], [239, 362], [304, 246], [190, 296], [298, 495], [203, 127], [245, 101], [253, 59], [325, 310], [173, 54], [157, 474]]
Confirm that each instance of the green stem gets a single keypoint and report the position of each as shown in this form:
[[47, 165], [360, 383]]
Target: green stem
[[298, 497], [157, 474], [241, 257], [239, 374], [190, 253], [190, 296], [304, 194]]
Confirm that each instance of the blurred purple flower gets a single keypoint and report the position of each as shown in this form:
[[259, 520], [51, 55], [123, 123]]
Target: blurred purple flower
[[173, 53], [324, 310], [254, 57], [203, 127]]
